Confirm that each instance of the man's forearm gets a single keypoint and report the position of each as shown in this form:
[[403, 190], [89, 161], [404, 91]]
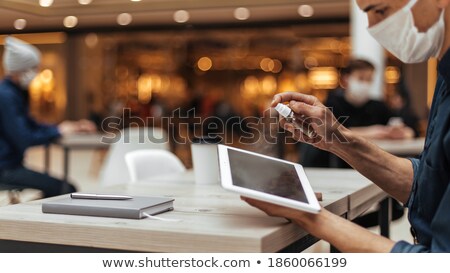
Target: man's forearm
[[342, 234], [393, 174]]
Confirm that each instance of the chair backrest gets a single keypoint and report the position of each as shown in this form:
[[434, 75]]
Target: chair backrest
[[147, 163], [114, 170]]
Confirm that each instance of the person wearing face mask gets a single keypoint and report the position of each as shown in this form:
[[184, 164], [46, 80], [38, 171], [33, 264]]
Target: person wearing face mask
[[416, 45], [18, 130], [400, 104], [363, 115], [413, 31]]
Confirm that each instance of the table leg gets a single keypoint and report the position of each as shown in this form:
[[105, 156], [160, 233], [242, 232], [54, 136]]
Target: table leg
[[333, 249], [47, 159], [66, 169], [385, 216]]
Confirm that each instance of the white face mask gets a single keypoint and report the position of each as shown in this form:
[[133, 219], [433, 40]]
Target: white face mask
[[399, 36], [27, 77], [358, 92]]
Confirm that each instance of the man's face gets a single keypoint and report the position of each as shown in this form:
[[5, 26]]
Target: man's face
[[378, 10], [425, 12]]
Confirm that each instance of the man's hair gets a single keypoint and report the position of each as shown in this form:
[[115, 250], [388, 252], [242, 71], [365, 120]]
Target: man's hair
[[357, 64]]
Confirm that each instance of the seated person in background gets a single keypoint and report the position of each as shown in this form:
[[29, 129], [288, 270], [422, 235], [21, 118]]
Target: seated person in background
[[400, 105], [367, 117], [18, 130]]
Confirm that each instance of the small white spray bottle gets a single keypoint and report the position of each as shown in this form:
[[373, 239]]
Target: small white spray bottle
[[289, 115]]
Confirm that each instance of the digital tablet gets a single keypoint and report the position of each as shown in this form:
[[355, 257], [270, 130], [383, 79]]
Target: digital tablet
[[266, 178]]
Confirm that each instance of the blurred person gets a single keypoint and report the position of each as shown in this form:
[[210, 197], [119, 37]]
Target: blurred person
[[400, 106], [413, 31], [18, 130], [366, 116]]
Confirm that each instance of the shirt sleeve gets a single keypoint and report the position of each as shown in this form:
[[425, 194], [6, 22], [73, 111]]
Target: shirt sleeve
[[405, 247], [415, 165], [20, 130]]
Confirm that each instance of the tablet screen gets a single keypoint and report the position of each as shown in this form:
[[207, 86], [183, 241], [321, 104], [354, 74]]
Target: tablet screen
[[265, 175]]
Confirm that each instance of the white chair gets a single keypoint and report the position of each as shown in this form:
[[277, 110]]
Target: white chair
[[114, 170], [147, 163]]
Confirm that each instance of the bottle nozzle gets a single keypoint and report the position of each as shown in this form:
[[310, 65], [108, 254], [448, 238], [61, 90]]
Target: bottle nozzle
[[284, 110], [287, 113]]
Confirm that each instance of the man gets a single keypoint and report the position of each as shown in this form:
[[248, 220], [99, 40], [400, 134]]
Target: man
[[421, 184], [18, 130], [361, 114]]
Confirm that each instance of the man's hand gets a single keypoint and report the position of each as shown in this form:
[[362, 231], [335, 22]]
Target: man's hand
[[277, 210], [312, 115]]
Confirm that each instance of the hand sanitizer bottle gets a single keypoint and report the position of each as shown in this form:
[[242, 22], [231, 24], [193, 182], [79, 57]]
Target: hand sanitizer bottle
[[288, 114]]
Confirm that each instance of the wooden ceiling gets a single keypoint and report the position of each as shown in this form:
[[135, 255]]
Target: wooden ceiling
[[102, 14]]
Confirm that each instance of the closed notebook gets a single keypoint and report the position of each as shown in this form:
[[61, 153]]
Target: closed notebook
[[132, 208]]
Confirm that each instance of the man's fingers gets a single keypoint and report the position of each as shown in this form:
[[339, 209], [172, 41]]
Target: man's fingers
[[255, 203], [305, 126], [304, 109], [288, 96], [319, 196], [300, 135]]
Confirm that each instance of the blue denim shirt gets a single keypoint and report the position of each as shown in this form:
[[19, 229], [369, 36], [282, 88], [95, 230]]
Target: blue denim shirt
[[18, 130], [429, 201]]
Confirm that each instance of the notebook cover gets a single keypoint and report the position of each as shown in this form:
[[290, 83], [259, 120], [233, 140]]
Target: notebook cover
[[132, 208]]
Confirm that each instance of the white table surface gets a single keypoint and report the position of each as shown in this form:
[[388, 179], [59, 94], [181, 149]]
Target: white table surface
[[407, 147]]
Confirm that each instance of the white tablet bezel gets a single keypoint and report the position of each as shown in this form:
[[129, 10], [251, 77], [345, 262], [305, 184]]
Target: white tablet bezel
[[312, 206]]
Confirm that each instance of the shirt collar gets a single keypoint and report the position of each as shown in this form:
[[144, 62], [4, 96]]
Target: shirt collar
[[22, 92], [10, 82]]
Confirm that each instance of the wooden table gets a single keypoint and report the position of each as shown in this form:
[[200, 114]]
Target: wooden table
[[212, 220], [407, 147], [76, 142]]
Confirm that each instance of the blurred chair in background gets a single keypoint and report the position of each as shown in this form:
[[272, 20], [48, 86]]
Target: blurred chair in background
[[147, 163], [114, 170]]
